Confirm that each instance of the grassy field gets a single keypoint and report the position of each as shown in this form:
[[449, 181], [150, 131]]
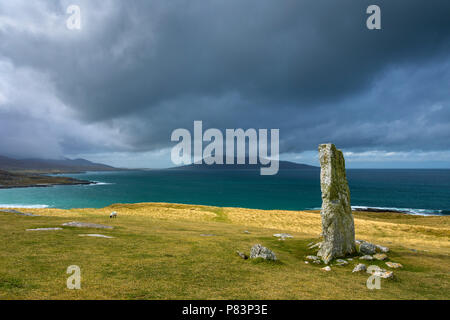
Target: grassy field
[[158, 253]]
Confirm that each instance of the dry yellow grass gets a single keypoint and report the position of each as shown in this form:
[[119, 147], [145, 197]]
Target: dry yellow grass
[[429, 233], [158, 253]]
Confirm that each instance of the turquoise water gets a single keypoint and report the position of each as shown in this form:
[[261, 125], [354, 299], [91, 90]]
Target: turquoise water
[[418, 191]]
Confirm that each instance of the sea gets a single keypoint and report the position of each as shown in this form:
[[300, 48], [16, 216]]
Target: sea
[[419, 191]]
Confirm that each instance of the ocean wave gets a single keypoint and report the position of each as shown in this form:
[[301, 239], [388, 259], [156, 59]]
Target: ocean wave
[[412, 211], [24, 206], [417, 212], [99, 183]]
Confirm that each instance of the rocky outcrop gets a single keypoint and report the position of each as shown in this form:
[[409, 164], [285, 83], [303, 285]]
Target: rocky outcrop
[[258, 251], [338, 229]]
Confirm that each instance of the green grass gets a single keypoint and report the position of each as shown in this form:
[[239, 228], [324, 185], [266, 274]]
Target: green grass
[[158, 253]]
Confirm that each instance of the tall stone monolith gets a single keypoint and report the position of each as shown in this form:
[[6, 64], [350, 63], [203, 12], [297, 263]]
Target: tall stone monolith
[[338, 228]]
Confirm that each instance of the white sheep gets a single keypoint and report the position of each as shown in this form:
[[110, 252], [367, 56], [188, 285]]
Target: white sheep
[[113, 215]]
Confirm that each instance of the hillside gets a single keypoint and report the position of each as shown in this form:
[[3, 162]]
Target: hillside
[[19, 180], [51, 166], [283, 165]]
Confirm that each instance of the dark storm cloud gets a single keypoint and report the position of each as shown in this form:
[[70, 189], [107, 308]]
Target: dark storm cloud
[[140, 69]]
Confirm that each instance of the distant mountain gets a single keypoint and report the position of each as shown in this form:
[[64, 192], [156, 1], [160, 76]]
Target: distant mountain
[[52, 166], [283, 165]]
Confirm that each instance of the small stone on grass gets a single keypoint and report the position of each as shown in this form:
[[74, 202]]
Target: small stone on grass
[[394, 265], [45, 229], [361, 267], [380, 256], [95, 235]]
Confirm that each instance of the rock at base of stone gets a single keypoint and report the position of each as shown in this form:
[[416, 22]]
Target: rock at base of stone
[[360, 268], [380, 256], [394, 265], [341, 262], [382, 249], [338, 228], [314, 245], [258, 251], [383, 274], [366, 257], [327, 268], [367, 248], [312, 258]]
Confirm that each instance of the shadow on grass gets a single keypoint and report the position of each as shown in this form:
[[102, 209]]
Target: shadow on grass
[[261, 261]]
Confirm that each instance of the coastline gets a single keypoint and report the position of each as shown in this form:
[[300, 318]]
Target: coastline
[[48, 185], [11, 180]]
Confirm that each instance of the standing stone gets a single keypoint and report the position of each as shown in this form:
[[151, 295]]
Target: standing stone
[[338, 228]]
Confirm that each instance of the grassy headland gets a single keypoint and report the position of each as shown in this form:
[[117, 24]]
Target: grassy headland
[[158, 252], [23, 180]]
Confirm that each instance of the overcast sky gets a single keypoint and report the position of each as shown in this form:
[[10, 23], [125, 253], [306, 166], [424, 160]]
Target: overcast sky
[[115, 90]]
